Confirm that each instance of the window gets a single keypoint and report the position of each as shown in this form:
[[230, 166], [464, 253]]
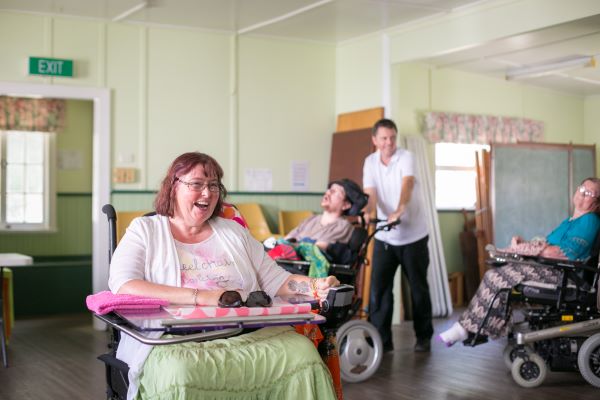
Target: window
[[27, 196], [455, 175]]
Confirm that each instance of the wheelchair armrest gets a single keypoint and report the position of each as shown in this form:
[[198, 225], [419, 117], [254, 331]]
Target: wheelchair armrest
[[566, 264]]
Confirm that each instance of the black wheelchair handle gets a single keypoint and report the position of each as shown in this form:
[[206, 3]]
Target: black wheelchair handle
[[385, 227]]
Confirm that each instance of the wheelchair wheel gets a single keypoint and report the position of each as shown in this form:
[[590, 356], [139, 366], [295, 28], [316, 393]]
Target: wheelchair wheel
[[510, 353], [529, 372], [588, 360], [360, 350]]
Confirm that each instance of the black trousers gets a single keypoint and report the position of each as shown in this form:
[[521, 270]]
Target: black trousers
[[414, 258]]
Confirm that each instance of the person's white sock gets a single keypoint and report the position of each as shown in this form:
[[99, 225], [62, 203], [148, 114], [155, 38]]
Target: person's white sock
[[456, 333]]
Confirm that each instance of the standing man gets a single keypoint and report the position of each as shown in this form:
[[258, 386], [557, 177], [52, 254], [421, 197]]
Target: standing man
[[389, 180]]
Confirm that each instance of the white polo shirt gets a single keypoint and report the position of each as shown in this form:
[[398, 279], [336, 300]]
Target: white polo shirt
[[387, 182]]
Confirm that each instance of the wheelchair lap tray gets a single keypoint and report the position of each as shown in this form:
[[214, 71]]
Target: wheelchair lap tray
[[173, 318]]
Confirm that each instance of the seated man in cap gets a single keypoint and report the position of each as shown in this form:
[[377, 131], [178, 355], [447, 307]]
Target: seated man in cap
[[343, 197]]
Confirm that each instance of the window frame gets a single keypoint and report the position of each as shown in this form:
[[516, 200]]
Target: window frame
[[457, 168], [49, 166]]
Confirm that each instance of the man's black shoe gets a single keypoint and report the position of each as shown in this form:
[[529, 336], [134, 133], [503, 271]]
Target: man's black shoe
[[423, 346]]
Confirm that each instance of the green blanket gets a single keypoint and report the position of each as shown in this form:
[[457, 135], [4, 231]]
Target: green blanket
[[270, 363]]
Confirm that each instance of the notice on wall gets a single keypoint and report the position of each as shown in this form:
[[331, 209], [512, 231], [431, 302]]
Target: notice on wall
[[299, 172], [258, 179], [70, 160]]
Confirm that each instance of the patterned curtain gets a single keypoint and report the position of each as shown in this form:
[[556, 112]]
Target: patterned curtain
[[26, 114], [480, 129]]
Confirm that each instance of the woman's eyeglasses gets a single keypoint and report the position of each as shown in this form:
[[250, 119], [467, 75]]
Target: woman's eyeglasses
[[232, 299], [213, 187], [586, 193]]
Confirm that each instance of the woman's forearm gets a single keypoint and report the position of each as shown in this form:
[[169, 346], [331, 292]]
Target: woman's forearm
[[175, 295], [300, 284]]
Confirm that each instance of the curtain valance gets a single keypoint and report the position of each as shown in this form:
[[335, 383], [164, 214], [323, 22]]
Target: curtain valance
[[481, 129], [27, 114]]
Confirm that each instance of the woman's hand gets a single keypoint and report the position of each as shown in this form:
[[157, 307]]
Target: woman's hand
[[552, 252], [515, 240], [324, 284]]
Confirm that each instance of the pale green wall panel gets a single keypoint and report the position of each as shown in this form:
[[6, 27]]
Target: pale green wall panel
[[73, 235], [74, 144], [457, 91], [26, 33], [125, 75], [286, 109], [358, 74], [592, 123], [562, 114], [81, 41], [188, 98], [410, 96]]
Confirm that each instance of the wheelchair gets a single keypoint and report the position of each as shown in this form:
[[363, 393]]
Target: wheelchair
[[116, 371], [360, 347], [560, 324]]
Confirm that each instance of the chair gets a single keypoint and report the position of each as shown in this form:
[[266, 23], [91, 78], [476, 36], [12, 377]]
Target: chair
[[123, 220], [257, 223], [288, 220]]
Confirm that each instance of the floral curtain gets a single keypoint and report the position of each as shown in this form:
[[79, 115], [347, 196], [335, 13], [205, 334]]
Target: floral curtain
[[481, 129], [26, 114]]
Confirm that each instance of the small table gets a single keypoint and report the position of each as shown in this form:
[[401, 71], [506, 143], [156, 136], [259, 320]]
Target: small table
[[8, 260]]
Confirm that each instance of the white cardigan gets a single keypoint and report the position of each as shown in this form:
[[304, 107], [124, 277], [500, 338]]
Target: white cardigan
[[147, 251]]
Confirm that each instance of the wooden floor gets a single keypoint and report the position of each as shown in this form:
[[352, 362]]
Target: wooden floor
[[55, 358]]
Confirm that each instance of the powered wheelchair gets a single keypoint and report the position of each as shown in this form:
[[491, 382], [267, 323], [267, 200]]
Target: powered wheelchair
[[360, 347], [560, 323], [148, 327]]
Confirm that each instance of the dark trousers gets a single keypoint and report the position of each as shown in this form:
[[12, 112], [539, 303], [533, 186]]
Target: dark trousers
[[414, 258]]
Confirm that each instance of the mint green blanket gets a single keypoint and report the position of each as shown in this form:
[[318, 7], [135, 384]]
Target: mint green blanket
[[270, 363]]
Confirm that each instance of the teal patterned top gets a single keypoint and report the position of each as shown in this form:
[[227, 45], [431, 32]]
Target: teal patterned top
[[575, 237]]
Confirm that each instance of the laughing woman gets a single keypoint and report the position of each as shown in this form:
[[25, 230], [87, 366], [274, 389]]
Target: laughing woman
[[186, 254]]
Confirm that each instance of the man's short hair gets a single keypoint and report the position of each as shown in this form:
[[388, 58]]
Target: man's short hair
[[385, 123]]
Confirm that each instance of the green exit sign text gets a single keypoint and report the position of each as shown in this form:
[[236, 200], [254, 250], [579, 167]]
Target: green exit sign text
[[50, 66]]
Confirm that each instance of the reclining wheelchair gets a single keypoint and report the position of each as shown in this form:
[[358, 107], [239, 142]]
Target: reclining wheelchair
[[360, 347], [559, 325], [147, 331]]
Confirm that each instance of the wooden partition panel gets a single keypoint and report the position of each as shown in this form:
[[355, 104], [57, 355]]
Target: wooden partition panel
[[359, 119]]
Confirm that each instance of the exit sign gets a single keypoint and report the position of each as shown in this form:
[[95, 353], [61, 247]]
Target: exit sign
[[50, 66]]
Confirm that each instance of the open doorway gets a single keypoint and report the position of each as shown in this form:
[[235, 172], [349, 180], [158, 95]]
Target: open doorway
[[100, 161]]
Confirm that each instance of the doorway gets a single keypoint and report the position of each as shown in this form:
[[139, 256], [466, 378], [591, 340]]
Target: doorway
[[100, 163]]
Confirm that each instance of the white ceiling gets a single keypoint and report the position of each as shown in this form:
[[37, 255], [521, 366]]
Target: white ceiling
[[321, 20], [334, 21], [576, 38]]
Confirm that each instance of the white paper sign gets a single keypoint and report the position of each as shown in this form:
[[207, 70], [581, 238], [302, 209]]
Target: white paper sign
[[299, 173], [258, 179]]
